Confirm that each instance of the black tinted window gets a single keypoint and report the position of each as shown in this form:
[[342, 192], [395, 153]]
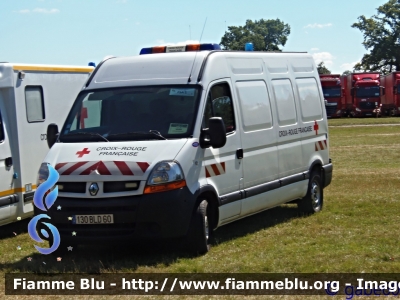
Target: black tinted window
[[219, 104]]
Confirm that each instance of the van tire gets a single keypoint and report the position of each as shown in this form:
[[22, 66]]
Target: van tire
[[199, 232], [314, 199]]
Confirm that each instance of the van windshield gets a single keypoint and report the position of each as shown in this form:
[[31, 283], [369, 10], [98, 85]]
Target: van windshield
[[135, 113]]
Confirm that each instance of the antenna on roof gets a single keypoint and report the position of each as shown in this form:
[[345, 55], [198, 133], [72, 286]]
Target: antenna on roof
[[190, 75]]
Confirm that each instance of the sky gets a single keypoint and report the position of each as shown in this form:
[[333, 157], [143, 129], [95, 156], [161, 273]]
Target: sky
[[76, 32]]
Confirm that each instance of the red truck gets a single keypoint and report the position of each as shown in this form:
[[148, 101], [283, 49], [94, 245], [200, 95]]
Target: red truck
[[332, 90], [362, 94], [391, 96]]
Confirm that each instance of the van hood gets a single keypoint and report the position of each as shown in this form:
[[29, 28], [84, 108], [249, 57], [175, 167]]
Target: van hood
[[109, 160]]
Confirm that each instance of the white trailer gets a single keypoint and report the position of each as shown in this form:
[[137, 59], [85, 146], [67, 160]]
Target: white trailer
[[31, 97]]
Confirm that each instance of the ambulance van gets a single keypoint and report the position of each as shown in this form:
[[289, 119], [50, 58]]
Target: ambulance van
[[31, 97], [179, 141]]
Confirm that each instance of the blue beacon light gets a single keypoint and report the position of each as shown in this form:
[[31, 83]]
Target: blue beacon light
[[249, 47]]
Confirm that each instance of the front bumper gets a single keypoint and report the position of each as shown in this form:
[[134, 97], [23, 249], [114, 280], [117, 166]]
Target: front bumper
[[150, 216]]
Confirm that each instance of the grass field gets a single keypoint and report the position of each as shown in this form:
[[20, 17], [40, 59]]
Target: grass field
[[357, 230]]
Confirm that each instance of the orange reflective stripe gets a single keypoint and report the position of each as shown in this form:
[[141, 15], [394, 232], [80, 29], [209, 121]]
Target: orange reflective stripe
[[53, 69], [16, 190]]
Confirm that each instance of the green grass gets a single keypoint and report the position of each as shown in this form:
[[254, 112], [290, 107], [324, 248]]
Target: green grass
[[357, 231]]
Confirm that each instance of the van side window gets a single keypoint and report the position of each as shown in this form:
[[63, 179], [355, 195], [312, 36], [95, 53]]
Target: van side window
[[219, 104], [1, 129], [255, 105], [284, 100], [310, 101], [34, 104]]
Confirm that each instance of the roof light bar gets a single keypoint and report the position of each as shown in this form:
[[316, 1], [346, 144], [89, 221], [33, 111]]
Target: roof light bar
[[183, 48]]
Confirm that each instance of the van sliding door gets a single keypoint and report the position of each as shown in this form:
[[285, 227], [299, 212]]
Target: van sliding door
[[260, 158]]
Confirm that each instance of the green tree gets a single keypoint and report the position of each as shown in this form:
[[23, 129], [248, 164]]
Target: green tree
[[347, 72], [266, 35], [381, 38], [322, 69]]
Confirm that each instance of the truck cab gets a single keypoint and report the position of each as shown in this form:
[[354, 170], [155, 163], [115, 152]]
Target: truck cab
[[363, 93], [332, 90]]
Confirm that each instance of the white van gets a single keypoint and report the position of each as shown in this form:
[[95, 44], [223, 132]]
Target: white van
[[178, 144], [31, 97]]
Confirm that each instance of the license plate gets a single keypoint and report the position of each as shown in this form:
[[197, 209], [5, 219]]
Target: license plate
[[93, 219]]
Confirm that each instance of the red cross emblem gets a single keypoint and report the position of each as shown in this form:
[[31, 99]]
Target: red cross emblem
[[83, 152], [316, 127]]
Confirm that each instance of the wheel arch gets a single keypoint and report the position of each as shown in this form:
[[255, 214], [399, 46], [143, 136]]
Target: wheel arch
[[208, 192]]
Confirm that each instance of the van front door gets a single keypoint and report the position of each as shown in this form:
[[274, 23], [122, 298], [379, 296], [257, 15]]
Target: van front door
[[223, 166], [5, 173]]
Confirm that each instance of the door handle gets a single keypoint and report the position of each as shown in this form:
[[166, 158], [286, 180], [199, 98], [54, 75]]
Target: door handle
[[8, 162], [239, 153]]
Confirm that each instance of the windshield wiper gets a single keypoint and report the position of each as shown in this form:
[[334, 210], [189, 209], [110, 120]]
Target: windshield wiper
[[86, 133], [157, 133], [135, 133]]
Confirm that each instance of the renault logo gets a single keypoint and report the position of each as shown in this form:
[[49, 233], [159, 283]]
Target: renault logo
[[93, 189]]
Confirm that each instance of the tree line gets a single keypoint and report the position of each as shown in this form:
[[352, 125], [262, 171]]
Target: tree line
[[381, 34]]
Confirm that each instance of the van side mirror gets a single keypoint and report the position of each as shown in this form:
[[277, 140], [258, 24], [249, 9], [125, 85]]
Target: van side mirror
[[215, 135], [52, 134]]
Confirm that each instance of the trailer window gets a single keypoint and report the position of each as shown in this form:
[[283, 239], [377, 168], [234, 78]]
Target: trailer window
[[219, 104], [34, 104], [1, 129]]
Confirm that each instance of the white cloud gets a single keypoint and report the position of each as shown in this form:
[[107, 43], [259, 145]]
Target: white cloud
[[326, 57], [314, 49], [348, 66], [24, 11], [46, 11], [163, 43], [316, 25]]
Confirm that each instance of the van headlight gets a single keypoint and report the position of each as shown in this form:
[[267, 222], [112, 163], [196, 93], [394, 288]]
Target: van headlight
[[165, 176], [43, 174]]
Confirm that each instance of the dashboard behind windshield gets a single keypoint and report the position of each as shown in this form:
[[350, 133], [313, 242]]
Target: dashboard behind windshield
[[367, 92], [137, 113], [330, 92]]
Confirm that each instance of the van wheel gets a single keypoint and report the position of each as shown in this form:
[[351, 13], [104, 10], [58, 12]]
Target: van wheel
[[314, 199], [199, 232]]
